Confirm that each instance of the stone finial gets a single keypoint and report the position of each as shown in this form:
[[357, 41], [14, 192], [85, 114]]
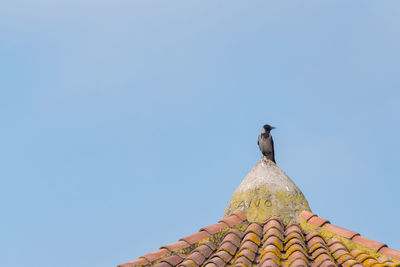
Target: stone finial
[[267, 191]]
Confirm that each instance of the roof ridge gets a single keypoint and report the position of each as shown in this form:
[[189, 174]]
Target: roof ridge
[[185, 243], [382, 248]]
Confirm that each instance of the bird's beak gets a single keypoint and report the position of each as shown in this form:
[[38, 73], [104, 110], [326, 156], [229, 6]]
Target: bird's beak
[[272, 127]]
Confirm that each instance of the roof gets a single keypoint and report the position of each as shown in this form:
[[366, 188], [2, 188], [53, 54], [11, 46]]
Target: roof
[[311, 241], [268, 222]]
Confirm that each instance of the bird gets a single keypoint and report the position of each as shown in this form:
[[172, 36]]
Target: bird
[[266, 143]]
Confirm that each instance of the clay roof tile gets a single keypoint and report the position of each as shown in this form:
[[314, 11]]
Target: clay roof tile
[[390, 252], [192, 239], [368, 242]]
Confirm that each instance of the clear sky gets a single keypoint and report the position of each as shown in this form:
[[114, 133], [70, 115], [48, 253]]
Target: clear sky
[[126, 125]]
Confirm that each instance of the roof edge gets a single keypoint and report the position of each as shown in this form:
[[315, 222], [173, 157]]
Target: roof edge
[[355, 237], [186, 244]]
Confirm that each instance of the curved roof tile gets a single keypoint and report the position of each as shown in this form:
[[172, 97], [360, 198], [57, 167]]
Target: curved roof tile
[[312, 241]]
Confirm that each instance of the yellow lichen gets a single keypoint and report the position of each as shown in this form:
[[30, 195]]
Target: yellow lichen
[[263, 202], [308, 228], [256, 240]]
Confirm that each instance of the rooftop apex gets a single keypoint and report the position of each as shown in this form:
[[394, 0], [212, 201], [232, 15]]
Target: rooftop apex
[[267, 191]]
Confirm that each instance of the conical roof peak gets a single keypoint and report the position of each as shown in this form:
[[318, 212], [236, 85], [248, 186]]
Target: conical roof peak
[[267, 191]]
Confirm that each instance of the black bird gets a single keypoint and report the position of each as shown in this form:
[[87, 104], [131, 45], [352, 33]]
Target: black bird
[[266, 143]]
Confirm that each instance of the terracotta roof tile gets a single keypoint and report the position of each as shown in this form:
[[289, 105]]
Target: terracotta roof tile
[[251, 241], [155, 255], [318, 221], [162, 264], [270, 252], [368, 242], [390, 252], [247, 253], [311, 235], [340, 231], [353, 236], [314, 243], [243, 261], [273, 220], [268, 263], [214, 228], [209, 244], [296, 259], [249, 246], [229, 247], [255, 228], [233, 235], [206, 248], [192, 239], [216, 260], [196, 257], [306, 215], [340, 252], [176, 246], [352, 263], [272, 244], [364, 258], [231, 220], [327, 263], [138, 262], [173, 260], [240, 215], [273, 224]]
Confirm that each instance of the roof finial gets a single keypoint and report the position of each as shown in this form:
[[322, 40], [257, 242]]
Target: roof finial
[[267, 191]]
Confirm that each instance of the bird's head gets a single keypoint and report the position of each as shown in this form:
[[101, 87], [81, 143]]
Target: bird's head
[[267, 128]]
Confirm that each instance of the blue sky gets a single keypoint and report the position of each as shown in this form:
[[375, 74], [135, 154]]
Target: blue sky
[[127, 125]]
